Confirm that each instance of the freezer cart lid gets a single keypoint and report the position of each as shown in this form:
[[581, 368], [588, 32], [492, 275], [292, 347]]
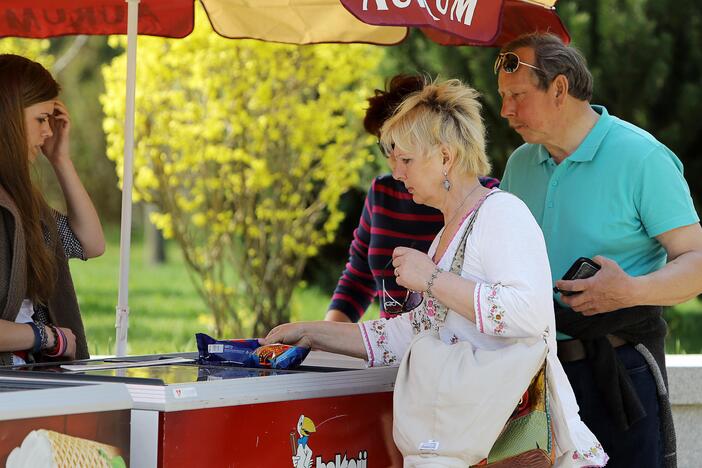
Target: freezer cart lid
[[182, 386], [33, 398]]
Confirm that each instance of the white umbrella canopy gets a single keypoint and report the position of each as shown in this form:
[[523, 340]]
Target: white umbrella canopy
[[382, 22]]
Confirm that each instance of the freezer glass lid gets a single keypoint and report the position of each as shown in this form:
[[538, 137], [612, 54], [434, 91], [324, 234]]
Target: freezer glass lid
[[150, 370], [185, 373]]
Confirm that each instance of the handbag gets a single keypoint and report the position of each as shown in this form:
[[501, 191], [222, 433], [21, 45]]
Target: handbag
[[451, 401], [527, 438]]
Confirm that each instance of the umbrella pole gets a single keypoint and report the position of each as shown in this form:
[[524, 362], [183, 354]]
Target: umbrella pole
[[122, 312]]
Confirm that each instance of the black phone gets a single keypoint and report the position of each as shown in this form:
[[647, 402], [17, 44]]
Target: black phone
[[580, 269]]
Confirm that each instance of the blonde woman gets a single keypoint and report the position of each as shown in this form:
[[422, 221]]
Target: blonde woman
[[503, 293]]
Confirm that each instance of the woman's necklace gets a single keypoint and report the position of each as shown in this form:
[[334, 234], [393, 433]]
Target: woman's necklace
[[458, 209]]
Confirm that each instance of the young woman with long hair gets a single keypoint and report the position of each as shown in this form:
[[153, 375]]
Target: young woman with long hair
[[39, 315]]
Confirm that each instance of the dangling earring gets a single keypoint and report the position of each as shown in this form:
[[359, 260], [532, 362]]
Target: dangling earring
[[447, 183]]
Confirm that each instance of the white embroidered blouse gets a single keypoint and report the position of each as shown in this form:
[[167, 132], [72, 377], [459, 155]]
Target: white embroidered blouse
[[505, 256]]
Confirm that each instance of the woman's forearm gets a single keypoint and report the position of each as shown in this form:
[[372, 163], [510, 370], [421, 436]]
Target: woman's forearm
[[456, 293], [15, 336], [336, 337], [82, 216]]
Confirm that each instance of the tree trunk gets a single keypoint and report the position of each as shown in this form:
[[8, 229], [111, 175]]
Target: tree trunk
[[154, 243]]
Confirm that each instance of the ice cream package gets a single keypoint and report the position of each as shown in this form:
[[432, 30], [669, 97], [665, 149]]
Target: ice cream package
[[248, 353], [48, 449]]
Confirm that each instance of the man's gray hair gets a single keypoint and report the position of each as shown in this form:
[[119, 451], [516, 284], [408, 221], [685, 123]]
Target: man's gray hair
[[554, 58]]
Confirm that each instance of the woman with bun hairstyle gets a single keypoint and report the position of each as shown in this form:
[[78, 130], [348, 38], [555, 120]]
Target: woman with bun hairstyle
[[485, 281], [390, 219]]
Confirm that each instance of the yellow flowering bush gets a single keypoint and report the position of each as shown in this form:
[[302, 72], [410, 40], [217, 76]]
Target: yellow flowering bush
[[245, 148], [35, 49]]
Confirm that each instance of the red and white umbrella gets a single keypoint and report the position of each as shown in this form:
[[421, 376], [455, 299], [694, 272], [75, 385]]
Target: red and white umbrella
[[383, 22]]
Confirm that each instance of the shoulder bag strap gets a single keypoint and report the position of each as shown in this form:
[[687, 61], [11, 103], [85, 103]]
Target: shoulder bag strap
[[459, 257]]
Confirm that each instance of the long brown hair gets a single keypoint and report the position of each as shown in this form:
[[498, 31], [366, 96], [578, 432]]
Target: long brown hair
[[23, 83]]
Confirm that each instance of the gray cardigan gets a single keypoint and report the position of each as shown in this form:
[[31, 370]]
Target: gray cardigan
[[62, 305]]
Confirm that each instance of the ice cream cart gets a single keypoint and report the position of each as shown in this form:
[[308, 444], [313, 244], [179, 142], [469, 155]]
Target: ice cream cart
[[331, 412]]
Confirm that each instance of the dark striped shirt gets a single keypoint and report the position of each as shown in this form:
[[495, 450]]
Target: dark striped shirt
[[389, 219]]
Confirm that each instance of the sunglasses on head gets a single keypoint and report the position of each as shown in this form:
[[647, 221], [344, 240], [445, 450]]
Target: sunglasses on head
[[509, 62], [392, 306], [384, 150]]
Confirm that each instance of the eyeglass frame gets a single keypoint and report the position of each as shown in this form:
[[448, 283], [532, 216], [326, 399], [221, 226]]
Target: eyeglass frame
[[384, 151], [389, 300], [500, 63], [402, 305]]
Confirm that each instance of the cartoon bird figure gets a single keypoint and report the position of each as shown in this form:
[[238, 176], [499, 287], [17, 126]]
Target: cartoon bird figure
[[302, 456]]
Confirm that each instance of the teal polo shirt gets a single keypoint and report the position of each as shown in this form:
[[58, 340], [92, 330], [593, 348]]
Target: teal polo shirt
[[619, 190]]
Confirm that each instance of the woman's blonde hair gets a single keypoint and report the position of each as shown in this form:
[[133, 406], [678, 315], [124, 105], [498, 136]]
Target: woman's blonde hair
[[443, 113]]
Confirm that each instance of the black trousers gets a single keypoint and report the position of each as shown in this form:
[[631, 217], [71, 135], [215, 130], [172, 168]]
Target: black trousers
[[641, 446]]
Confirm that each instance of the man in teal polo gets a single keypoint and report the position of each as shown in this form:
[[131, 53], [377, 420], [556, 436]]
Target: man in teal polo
[[605, 189]]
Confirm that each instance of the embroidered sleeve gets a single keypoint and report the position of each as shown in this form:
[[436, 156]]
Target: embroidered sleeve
[[489, 310], [386, 340], [594, 456], [513, 298]]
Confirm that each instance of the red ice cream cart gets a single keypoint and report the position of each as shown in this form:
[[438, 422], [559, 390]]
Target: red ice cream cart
[[330, 413]]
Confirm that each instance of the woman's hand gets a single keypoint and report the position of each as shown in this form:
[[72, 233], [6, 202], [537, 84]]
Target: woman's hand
[[70, 352], [413, 268], [334, 337], [288, 333], [82, 215], [56, 147]]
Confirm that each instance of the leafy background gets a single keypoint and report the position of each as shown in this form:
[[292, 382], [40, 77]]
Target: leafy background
[[644, 55]]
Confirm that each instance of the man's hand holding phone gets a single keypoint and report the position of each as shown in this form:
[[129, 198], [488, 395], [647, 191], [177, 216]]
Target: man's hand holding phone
[[582, 268], [607, 287]]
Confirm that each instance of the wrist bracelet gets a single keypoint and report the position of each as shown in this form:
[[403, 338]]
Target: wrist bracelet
[[64, 342], [61, 343], [430, 283], [57, 344], [43, 334], [36, 347]]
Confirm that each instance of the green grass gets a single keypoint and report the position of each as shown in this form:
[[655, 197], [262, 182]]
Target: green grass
[[685, 323], [166, 311]]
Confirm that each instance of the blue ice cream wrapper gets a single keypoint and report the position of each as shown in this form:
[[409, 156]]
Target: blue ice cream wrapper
[[248, 353]]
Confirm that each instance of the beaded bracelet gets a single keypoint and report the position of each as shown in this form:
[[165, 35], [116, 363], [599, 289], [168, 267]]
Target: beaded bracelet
[[437, 271], [43, 334], [57, 344], [36, 347]]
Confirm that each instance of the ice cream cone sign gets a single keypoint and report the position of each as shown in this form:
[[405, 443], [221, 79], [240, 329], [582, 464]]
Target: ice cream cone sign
[[49, 449]]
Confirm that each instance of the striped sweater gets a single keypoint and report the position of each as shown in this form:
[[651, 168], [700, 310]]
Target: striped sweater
[[389, 219]]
